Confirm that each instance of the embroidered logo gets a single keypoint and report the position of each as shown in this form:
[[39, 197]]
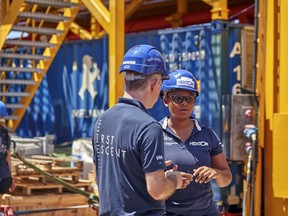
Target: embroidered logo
[[201, 143]]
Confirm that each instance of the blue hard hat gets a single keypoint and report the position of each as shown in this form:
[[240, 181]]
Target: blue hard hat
[[180, 79], [3, 110], [144, 59]]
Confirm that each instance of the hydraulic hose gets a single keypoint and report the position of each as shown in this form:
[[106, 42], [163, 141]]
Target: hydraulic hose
[[248, 178], [253, 173]]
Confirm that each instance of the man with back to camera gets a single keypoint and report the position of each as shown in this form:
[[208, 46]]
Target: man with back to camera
[[128, 143]]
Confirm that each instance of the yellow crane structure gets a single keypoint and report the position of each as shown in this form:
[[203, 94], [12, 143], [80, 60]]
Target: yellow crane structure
[[52, 19], [272, 88]]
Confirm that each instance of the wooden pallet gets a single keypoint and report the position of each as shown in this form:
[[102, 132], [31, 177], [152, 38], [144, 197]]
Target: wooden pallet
[[73, 177], [28, 180], [59, 161], [22, 172], [26, 186], [50, 201]]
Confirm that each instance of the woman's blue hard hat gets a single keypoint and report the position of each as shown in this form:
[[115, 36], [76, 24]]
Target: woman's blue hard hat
[[181, 79]]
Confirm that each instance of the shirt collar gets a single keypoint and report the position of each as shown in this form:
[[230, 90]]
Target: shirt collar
[[133, 102], [164, 123]]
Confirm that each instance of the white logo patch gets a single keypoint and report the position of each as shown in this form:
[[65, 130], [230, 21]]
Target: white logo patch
[[201, 143], [185, 81], [129, 62], [159, 157]]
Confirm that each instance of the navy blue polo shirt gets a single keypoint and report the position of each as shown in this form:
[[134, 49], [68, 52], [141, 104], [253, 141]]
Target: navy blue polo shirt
[[127, 143], [4, 148], [196, 199]]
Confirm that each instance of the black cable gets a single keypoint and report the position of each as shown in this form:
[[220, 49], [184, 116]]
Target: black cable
[[242, 11], [248, 179]]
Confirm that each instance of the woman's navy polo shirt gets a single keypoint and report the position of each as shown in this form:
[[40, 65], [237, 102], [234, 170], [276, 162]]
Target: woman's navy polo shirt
[[196, 199]]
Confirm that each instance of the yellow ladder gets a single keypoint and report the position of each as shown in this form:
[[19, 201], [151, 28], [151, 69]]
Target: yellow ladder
[[41, 26]]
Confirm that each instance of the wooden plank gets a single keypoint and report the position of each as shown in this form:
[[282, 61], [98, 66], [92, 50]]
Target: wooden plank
[[82, 183], [64, 169], [26, 185], [62, 159], [59, 161], [73, 177], [50, 201]]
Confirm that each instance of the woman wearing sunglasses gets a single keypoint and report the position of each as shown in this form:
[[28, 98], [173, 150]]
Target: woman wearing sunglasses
[[195, 148]]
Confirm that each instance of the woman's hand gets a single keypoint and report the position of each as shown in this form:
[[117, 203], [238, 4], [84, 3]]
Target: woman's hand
[[204, 174]]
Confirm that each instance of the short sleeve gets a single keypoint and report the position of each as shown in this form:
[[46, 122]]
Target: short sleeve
[[151, 145], [216, 144]]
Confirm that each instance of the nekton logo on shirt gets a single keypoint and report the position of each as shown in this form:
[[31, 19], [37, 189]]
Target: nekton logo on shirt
[[201, 143]]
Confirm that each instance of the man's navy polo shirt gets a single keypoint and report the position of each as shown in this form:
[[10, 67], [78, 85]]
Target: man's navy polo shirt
[[196, 199], [127, 143]]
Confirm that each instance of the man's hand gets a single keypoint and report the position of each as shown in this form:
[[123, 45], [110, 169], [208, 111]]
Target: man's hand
[[12, 187], [186, 178]]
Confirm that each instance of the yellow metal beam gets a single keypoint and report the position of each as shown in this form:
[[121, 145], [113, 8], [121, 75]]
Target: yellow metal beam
[[182, 6], [176, 18], [96, 30], [219, 9], [209, 2], [9, 17], [116, 49], [271, 56], [280, 115], [260, 90], [81, 32], [276, 109], [132, 7], [100, 12], [261, 60], [283, 56], [113, 22]]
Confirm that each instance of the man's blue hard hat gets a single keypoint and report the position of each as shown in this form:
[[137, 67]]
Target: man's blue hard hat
[[3, 110], [180, 79], [144, 59]]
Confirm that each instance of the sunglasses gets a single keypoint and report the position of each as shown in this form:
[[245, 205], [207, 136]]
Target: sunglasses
[[178, 99]]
